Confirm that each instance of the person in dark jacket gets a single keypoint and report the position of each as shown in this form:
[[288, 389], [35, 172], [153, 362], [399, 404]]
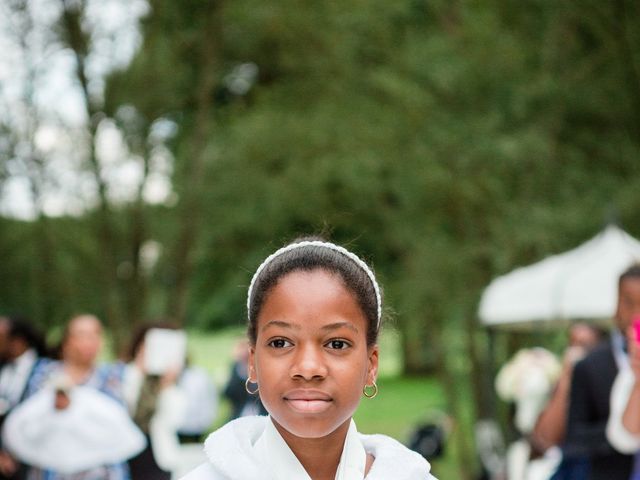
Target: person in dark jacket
[[591, 390]]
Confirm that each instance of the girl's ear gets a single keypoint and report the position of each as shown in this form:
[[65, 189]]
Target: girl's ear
[[372, 369], [251, 367]]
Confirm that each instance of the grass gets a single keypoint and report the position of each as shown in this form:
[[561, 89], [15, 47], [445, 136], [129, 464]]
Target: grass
[[402, 403]]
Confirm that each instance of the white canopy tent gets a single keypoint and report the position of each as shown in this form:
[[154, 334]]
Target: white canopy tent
[[579, 284]]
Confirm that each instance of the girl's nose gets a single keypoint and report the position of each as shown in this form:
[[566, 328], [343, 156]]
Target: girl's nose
[[308, 363]]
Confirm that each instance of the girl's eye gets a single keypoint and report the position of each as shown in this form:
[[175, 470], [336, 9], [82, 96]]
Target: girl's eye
[[279, 343], [338, 344]]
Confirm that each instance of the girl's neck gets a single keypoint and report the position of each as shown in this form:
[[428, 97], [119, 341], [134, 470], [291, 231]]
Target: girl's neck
[[319, 456]]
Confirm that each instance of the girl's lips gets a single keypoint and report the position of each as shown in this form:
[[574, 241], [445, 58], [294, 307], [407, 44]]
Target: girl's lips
[[308, 401], [308, 406]]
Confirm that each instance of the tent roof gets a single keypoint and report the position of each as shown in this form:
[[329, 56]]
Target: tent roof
[[579, 284]]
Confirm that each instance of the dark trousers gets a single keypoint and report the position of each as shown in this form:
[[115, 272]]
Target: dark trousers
[[572, 468], [21, 474], [144, 467]]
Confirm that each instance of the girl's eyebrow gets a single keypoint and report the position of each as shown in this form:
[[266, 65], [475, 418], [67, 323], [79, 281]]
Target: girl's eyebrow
[[337, 325], [280, 323], [291, 326]]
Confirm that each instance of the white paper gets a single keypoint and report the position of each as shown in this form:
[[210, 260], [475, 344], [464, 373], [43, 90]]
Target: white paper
[[164, 350]]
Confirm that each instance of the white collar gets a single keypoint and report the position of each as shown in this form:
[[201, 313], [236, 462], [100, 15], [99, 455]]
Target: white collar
[[353, 461], [281, 462], [26, 360], [232, 455], [14, 377], [618, 348]]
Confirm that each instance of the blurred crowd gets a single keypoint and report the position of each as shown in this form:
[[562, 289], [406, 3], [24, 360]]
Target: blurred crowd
[[66, 416], [578, 417]]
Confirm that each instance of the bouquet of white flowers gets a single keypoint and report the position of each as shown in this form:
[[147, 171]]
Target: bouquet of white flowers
[[527, 379]]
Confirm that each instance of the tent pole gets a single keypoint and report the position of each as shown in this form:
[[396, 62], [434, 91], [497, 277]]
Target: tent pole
[[490, 394]]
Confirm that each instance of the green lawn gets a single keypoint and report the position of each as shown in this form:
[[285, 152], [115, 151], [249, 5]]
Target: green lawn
[[401, 404]]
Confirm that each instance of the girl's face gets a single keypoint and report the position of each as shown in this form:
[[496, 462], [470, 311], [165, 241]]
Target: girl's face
[[311, 359]]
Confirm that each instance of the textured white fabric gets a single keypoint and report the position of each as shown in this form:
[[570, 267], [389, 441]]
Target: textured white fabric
[[280, 461], [618, 345], [619, 437], [171, 406], [232, 455], [93, 430], [14, 376], [163, 428], [277, 457], [353, 461]]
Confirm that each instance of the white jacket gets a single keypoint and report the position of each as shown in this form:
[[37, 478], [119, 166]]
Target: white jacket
[[231, 455]]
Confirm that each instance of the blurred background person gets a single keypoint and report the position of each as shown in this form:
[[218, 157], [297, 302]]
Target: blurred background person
[[164, 403], [550, 428], [22, 348], [81, 343], [201, 404], [527, 379], [623, 427], [242, 402], [591, 386]]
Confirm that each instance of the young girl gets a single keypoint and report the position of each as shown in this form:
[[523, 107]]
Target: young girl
[[314, 313]]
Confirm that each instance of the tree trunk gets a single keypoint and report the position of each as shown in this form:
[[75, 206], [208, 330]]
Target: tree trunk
[[190, 205], [455, 388], [78, 41], [419, 348]]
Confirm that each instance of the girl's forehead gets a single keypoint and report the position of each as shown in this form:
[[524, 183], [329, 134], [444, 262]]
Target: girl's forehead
[[311, 295], [309, 283]]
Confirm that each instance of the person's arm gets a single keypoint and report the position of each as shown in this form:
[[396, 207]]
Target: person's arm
[[8, 465], [550, 427], [163, 428]]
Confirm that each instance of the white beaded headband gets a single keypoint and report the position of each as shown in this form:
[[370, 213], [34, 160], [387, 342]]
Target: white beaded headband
[[318, 243]]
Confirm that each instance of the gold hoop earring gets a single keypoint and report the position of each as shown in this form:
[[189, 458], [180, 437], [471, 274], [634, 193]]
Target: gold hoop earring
[[246, 387], [370, 394]]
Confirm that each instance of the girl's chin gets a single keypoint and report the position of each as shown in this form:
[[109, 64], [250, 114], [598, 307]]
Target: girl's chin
[[307, 428]]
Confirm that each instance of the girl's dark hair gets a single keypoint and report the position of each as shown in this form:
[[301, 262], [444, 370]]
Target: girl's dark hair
[[308, 258]]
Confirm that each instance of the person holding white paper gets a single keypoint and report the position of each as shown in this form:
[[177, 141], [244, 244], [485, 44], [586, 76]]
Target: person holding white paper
[[156, 403]]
